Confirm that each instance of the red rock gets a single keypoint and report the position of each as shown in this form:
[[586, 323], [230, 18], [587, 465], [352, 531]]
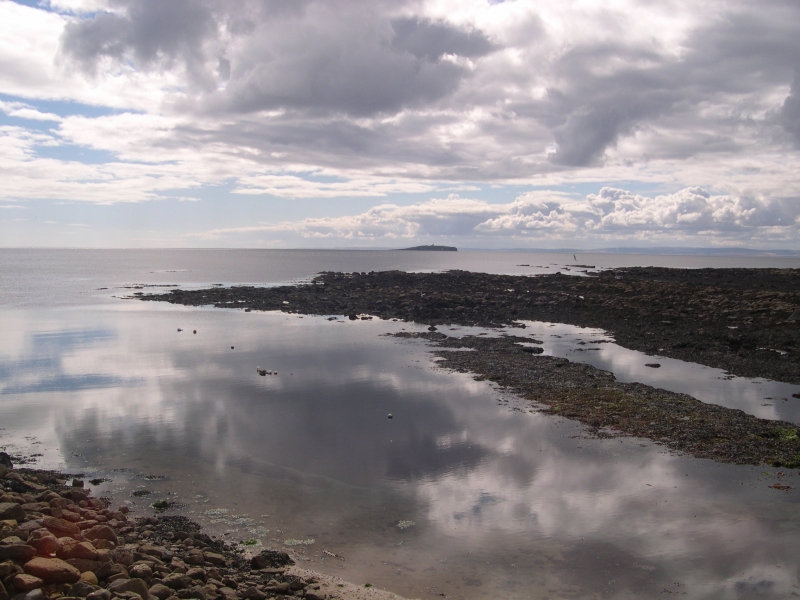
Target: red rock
[[74, 549], [26, 583], [61, 527], [101, 532], [52, 570]]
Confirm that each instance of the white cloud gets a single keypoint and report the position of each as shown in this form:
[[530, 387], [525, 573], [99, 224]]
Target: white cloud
[[544, 217]]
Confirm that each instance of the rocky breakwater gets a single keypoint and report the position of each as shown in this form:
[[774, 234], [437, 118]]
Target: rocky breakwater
[[746, 321], [57, 541]]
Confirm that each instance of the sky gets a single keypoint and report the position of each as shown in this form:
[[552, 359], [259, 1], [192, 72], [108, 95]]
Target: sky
[[371, 123]]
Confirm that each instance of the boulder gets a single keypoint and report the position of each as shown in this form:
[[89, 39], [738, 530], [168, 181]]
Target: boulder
[[176, 581], [80, 589], [36, 594], [44, 542], [61, 527], [74, 549], [90, 578], [141, 571], [25, 583], [83, 564], [11, 511], [101, 532], [5, 460], [160, 591], [52, 570], [19, 552], [271, 559], [215, 559], [136, 585], [100, 594]]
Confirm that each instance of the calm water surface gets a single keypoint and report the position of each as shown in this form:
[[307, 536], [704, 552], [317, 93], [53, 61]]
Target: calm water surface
[[459, 494]]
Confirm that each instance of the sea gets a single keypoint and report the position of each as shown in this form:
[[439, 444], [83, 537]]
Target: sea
[[466, 492]]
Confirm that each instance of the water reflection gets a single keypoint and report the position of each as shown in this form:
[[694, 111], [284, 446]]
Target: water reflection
[[504, 502]]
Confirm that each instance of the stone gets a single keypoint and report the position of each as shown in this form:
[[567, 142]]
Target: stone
[[25, 583], [9, 568], [316, 595], [104, 544], [152, 550], [100, 594], [61, 527], [141, 570], [196, 573], [228, 593], [90, 578], [215, 559], [19, 552], [136, 585], [11, 511], [195, 556], [101, 532], [36, 594], [74, 549], [253, 593], [80, 589], [270, 559], [160, 591], [177, 581], [5, 460], [83, 565], [44, 542], [3, 593], [52, 570], [117, 577]]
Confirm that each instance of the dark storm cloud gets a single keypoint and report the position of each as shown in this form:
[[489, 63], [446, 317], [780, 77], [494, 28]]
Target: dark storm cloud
[[153, 34]]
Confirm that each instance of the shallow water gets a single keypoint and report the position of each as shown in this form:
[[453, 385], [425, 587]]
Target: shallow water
[[504, 502]]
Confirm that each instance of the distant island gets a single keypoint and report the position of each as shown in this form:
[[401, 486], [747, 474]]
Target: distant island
[[434, 248]]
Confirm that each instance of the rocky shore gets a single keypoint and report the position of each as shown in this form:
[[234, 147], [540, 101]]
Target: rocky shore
[[610, 408], [745, 321], [58, 541]]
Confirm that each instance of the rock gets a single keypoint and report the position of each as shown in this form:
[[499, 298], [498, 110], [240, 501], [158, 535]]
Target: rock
[[101, 532], [52, 570], [80, 589], [104, 544], [195, 557], [3, 593], [653, 365], [100, 594], [141, 571], [25, 583], [90, 578], [315, 595], [36, 594], [19, 552], [215, 559], [270, 559], [5, 460], [177, 581], [9, 568], [280, 588], [152, 550], [390, 416], [160, 591], [352, 317], [11, 511], [197, 573], [227, 593], [61, 527], [74, 549], [78, 483], [84, 564], [252, 593], [44, 542], [533, 350], [109, 569], [136, 585]]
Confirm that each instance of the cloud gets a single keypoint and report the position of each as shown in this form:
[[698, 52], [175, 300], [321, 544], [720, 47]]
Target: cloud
[[545, 217]]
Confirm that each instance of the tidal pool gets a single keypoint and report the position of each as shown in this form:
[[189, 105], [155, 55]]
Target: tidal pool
[[458, 494]]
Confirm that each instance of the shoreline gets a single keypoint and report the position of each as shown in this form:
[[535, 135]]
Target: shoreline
[[744, 321], [59, 541], [631, 311]]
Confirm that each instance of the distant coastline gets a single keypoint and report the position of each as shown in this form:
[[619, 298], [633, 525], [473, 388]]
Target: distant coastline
[[434, 248]]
